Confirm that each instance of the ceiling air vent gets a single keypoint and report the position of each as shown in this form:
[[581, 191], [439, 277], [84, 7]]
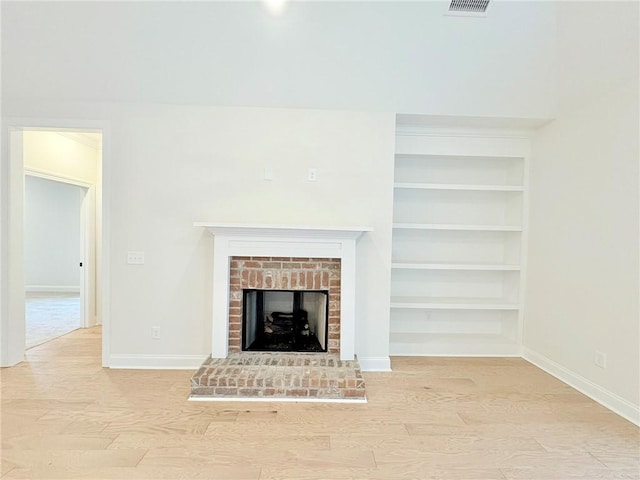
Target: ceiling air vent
[[465, 7]]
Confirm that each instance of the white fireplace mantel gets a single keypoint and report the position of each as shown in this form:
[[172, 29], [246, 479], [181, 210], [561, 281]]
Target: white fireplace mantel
[[283, 241]]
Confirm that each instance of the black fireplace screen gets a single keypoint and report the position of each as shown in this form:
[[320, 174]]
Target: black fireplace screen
[[285, 320]]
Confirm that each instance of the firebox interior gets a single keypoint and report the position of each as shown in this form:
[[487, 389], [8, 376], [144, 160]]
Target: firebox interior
[[285, 320]]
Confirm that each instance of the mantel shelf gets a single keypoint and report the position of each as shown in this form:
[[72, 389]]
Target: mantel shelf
[[284, 231]]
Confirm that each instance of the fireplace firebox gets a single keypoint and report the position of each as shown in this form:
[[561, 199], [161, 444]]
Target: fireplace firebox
[[318, 281], [285, 320]]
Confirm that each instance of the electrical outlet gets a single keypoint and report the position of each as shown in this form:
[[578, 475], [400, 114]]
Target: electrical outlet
[[135, 258], [268, 173], [312, 176], [155, 333], [600, 359]]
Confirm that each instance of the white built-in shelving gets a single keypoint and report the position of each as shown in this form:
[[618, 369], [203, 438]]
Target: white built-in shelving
[[459, 240], [440, 226], [453, 266], [452, 186]]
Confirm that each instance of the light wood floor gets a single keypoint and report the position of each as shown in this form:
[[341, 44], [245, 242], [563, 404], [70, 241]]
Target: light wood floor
[[63, 416]]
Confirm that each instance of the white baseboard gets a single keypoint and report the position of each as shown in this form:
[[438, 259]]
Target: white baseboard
[[53, 288], [608, 399], [156, 362], [375, 364]]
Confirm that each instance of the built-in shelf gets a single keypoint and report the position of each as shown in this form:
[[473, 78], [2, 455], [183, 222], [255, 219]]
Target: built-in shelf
[[450, 303], [427, 344], [441, 226], [453, 266], [457, 207], [462, 187], [459, 201], [473, 169], [456, 247]]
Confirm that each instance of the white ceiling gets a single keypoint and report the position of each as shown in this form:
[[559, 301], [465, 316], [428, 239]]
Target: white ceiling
[[387, 56]]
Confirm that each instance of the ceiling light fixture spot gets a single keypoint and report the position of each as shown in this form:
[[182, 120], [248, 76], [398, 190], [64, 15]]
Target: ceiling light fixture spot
[[276, 7]]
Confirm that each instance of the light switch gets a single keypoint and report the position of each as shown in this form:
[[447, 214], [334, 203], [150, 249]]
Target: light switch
[[135, 258]]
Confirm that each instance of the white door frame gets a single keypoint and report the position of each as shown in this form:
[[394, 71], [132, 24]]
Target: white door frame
[[12, 333], [88, 256], [87, 243]]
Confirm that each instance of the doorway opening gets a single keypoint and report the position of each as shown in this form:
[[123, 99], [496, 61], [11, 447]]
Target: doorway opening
[[55, 159], [61, 242], [52, 254]]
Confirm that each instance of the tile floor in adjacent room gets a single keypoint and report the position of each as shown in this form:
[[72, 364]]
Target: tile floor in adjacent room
[[49, 315]]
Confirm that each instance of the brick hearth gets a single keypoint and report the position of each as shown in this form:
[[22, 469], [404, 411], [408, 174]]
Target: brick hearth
[[274, 376]]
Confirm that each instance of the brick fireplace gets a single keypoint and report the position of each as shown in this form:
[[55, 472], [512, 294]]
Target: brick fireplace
[[284, 274], [316, 267], [328, 253]]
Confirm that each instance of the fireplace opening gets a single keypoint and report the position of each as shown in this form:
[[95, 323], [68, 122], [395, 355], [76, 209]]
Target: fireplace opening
[[285, 320]]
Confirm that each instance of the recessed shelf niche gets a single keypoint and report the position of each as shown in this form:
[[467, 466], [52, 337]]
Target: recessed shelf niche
[[458, 243]]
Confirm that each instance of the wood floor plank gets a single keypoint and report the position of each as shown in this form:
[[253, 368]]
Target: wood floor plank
[[619, 459], [86, 426], [595, 442], [620, 431], [385, 472], [41, 441], [252, 442], [437, 443], [367, 418], [229, 456], [307, 428], [554, 473], [136, 473], [46, 404], [149, 425], [488, 459], [12, 426], [73, 458]]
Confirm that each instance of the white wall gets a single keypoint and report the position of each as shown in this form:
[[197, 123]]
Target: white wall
[[12, 298], [400, 56], [583, 274], [52, 235], [170, 166]]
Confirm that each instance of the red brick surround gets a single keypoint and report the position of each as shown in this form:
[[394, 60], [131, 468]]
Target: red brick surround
[[283, 273]]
